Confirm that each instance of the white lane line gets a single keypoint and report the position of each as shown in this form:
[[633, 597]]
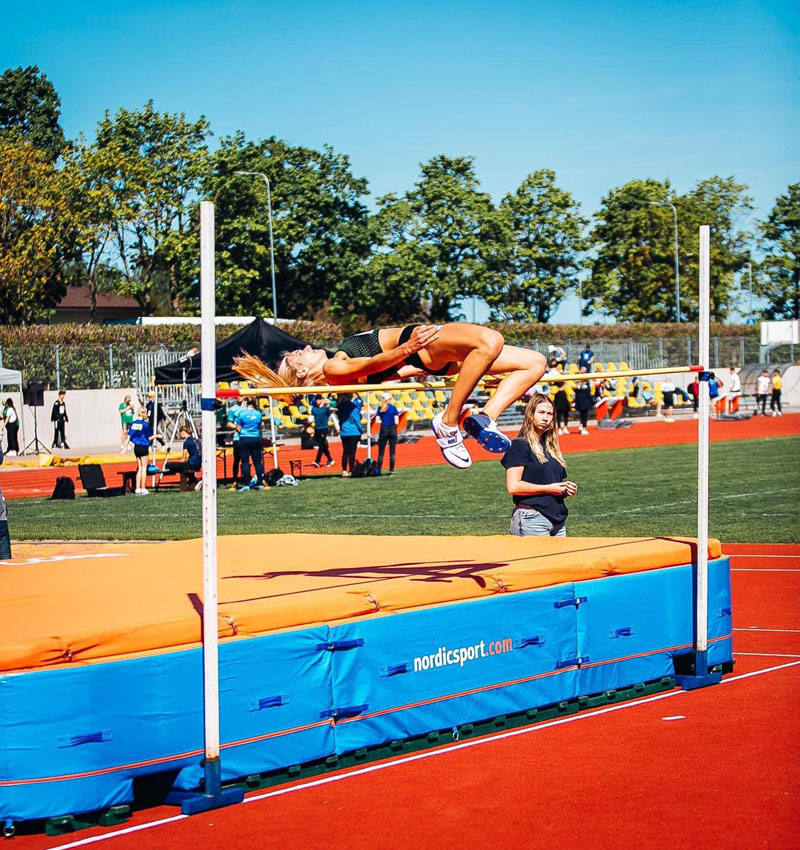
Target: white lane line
[[758, 555], [757, 629], [325, 780], [761, 570], [694, 502], [769, 654]]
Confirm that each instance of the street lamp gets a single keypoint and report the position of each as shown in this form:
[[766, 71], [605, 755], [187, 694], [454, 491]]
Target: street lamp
[[750, 276], [271, 248], [677, 274]]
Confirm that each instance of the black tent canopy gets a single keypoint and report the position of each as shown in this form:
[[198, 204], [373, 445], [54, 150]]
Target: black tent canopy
[[259, 338]]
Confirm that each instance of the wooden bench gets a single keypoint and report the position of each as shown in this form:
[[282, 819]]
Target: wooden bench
[[129, 479]]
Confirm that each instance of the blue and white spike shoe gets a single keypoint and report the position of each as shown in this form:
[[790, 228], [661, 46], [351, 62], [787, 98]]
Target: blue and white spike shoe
[[486, 432]]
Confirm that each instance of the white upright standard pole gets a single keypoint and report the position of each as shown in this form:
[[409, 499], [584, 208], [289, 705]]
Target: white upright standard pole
[[700, 676], [208, 379], [702, 443], [213, 796]]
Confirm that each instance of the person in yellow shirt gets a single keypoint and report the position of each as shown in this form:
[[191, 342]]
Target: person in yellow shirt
[[775, 401]]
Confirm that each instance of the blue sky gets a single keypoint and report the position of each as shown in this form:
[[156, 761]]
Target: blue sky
[[601, 92]]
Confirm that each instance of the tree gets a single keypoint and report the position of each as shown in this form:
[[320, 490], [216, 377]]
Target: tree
[[443, 238], [720, 203], [31, 108], [153, 162], [544, 230], [319, 228], [35, 227], [89, 175], [633, 268], [779, 280]]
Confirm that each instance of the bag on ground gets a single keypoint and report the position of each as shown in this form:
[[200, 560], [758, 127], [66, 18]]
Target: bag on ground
[[64, 489]]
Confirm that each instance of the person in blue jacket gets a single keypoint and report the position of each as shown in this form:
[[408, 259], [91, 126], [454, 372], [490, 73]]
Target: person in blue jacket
[[350, 429], [322, 414], [248, 424], [141, 437], [233, 411], [389, 416]]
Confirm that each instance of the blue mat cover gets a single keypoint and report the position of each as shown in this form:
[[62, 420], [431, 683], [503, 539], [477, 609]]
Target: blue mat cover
[[75, 739]]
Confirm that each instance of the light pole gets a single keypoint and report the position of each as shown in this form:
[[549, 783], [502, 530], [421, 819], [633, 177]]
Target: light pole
[[750, 277], [677, 274], [271, 248]]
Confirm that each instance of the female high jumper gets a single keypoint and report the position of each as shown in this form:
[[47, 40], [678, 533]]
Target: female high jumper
[[377, 356]]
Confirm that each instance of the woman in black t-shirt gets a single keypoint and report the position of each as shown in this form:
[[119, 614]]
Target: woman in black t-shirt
[[536, 474]]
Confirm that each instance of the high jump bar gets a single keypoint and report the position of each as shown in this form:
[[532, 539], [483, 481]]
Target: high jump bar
[[437, 385]]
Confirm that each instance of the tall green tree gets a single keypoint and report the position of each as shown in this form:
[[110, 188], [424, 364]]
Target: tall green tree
[[319, 228], [35, 232], [89, 175], [721, 203], [31, 108], [633, 277], [153, 161], [444, 238], [779, 277], [544, 229]]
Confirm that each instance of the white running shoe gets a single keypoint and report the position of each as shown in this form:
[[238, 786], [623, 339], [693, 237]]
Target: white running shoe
[[451, 443], [584, 431]]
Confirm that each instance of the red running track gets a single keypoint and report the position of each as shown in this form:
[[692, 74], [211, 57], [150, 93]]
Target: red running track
[[40, 482], [714, 768]]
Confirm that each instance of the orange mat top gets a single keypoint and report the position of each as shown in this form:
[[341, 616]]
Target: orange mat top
[[76, 603]]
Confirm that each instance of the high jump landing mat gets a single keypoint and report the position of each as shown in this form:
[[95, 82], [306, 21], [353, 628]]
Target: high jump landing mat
[[328, 645]]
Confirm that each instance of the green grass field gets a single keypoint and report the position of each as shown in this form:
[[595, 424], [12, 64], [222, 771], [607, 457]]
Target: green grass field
[[754, 492]]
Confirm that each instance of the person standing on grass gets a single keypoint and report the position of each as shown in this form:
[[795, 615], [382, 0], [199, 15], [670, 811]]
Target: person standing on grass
[[5, 535], [389, 417], [11, 423], [775, 402], [248, 423], [350, 430], [583, 402], [536, 474], [763, 387], [562, 407], [322, 414], [734, 390], [233, 412], [140, 437], [125, 417], [59, 418]]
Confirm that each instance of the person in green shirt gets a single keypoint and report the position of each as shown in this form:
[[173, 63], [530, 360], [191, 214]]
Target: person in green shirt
[[126, 418]]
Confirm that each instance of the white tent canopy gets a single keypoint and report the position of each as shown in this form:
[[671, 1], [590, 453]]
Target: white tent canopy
[[13, 378]]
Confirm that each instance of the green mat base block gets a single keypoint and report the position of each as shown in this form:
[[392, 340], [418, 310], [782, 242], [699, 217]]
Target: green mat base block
[[439, 737], [72, 823]]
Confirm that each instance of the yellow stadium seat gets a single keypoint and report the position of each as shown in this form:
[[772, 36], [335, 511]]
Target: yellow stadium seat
[[573, 369], [440, 396], [624, 366], [611, 366]]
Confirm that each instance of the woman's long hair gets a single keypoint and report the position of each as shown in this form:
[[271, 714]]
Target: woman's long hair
[[543, 445], [253, 369]]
